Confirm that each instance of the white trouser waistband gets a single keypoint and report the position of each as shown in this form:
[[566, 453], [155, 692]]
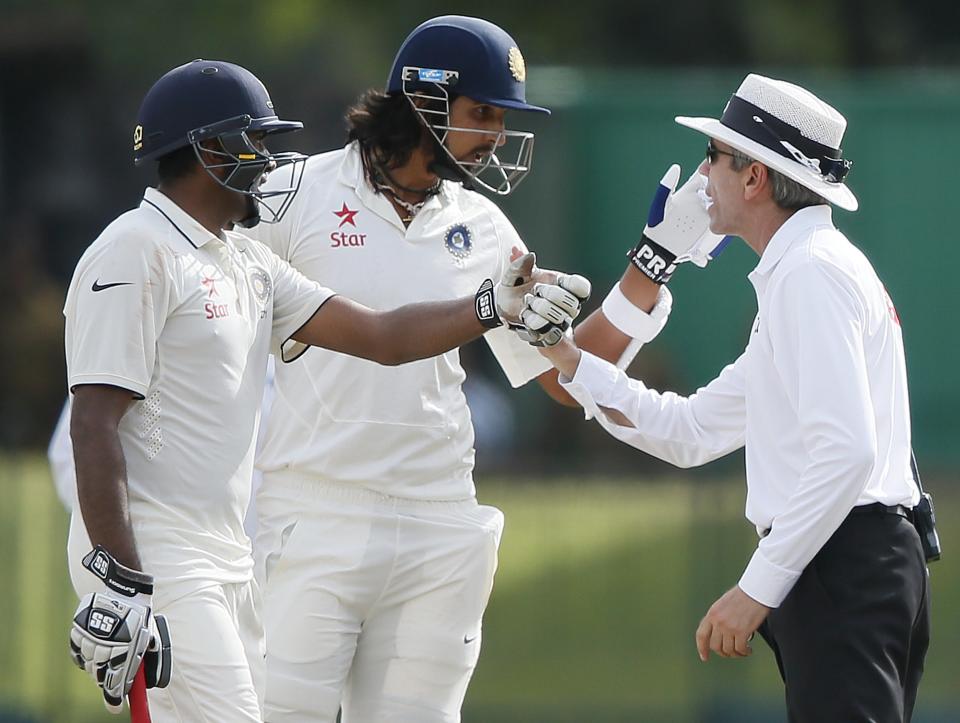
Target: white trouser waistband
[[307, 487]]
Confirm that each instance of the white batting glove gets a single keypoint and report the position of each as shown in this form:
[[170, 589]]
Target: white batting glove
[[114, 631], [548, 312], [678, 228], [560, 294]]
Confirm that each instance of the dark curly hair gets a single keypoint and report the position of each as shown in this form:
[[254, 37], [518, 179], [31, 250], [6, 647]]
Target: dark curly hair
[[387, 127]]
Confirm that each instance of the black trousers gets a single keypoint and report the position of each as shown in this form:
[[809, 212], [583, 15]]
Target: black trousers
[[851, 636]]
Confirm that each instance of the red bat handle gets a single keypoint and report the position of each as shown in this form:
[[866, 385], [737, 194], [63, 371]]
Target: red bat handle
[[137, 698]]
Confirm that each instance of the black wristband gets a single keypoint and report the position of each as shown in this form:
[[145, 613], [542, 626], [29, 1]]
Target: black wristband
[[652, 260], [115, 576], [486, 307]]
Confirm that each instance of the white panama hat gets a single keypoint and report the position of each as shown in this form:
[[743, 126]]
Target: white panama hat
[[787, 128]]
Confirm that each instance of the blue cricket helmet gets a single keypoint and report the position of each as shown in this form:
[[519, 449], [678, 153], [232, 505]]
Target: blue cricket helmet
[[219, 105], [487, 61], [199, 100]]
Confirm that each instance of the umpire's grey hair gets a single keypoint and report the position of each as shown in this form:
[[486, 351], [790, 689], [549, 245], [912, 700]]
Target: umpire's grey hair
[[786, 193]]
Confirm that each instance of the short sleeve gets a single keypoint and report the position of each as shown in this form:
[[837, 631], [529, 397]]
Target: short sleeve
[[116, 308], [519, 361], [295, 300]]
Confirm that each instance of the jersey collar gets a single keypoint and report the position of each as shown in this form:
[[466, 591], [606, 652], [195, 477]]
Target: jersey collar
[[352, 175], [184, 223], [794, 228]]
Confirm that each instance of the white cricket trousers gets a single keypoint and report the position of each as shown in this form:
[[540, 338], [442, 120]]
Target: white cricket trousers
[[216, 645], [372, 603]]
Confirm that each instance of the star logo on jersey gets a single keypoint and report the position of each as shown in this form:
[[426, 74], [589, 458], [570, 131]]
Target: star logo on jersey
[[346, 216], [211, 285]]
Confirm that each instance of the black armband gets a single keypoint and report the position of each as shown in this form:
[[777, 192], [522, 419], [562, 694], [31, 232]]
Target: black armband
[[652, 260], [486, 307], [115, 576]]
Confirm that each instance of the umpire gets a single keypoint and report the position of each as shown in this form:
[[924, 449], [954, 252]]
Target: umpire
[[838, 583]]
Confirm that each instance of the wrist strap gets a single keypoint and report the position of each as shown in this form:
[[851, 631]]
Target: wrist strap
[[653, 260], [115, 576], [486, 307]]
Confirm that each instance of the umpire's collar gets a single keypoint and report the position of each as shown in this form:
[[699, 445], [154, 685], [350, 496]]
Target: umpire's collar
[[191, 229], [794, 228]]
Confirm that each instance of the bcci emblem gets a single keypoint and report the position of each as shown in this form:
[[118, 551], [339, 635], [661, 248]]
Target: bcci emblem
[[261, 284], [138, 138], [518, 68], [457, 240]]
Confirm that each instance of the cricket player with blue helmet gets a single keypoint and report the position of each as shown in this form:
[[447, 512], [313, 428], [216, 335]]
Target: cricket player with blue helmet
[[374, 555], [170, 317]]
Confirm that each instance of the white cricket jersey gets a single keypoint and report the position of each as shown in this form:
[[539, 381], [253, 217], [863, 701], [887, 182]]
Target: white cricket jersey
[[403, 431], [819, 398], [184, 320]]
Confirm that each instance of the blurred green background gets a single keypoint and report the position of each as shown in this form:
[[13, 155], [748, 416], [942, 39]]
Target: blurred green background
[[601, 585], [610, 557]]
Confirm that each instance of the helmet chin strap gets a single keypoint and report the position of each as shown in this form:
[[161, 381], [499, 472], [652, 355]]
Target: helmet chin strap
[[443, 166], [253, 214]]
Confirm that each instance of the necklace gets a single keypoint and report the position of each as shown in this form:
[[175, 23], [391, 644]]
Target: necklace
[[412, 209]]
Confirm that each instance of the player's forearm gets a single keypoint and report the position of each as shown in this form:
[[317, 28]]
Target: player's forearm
[[102, 486], [639, 290], [596, 335], [600, 337], [427, 329]]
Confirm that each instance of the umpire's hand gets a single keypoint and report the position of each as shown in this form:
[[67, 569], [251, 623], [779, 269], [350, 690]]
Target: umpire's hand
[[729, 625]]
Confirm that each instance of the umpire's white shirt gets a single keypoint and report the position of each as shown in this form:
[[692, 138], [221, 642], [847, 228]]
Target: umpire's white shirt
[[819, 398], [184, 319], [403, 431]]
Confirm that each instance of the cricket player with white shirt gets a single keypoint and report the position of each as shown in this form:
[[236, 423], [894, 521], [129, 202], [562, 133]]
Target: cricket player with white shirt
[[170, 317], [375, 558]]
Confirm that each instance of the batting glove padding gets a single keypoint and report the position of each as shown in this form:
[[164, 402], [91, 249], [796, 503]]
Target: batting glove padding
[[678, 228], [560, 296], [114, 632], [551, 309]]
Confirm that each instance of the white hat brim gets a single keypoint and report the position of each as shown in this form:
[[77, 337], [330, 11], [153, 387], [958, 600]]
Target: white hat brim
[[836, 193]]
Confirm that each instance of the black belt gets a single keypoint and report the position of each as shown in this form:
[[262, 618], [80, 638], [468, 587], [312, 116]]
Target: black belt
[[878, 508]]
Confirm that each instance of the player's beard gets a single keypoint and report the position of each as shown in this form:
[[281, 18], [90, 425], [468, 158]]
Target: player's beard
[[444, 166], [252, 217]]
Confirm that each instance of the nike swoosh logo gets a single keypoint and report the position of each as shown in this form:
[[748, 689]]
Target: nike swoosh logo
[[97, 286], [467, 641]]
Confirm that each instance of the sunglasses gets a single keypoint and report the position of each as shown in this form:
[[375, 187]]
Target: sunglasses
[[713, 152]]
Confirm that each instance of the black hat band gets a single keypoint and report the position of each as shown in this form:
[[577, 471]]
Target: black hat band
[[783, 139]]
